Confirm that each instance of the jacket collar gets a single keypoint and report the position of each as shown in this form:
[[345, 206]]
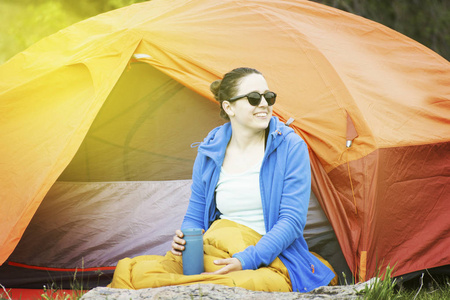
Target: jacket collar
[[277, 133], [215, 143]]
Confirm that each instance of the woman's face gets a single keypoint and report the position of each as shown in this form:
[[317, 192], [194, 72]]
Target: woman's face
[[242, 112]]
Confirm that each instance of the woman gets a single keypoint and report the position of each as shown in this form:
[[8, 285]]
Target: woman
[[250, 192]]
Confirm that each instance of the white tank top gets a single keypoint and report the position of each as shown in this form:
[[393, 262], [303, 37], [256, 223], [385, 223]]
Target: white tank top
[[238, 198]]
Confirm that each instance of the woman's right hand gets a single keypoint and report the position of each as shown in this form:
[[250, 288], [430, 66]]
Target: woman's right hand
[[178, 243]]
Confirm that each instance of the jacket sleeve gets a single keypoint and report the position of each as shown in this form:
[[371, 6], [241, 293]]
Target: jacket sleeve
[[293, 208], [194, 217]]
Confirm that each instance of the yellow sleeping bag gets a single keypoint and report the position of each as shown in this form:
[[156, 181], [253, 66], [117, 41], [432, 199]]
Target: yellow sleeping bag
[[222, 240]]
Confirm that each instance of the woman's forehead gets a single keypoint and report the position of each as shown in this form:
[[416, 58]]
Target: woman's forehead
[[251, 83]]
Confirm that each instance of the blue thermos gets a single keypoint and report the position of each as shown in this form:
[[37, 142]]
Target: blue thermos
[[193, 251]]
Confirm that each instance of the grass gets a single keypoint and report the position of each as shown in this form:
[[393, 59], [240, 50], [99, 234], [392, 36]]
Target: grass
[[48, 294], [53, 292], [435, 288], [386, 287], [382, 287]]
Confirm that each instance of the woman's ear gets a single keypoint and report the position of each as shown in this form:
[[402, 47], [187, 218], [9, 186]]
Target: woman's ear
[[228, 108]]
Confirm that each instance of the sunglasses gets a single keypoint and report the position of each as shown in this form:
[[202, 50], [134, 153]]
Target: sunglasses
[[254, 98]]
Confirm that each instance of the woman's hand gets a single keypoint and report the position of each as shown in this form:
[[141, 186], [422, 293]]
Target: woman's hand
[[178, 243], [231, 265]]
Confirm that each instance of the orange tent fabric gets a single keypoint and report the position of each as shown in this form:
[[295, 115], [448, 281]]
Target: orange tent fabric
[[341, 77]]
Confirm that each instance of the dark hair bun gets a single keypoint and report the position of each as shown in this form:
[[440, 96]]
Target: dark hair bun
[[215, 87]]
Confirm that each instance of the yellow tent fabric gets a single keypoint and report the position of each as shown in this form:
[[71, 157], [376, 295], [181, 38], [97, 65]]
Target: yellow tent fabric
[[386, 195]]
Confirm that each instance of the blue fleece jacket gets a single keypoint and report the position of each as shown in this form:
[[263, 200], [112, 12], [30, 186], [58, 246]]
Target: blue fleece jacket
[[285, 182]]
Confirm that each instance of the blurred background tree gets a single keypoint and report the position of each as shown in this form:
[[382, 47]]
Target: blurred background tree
[[24, 22], [426, 21]]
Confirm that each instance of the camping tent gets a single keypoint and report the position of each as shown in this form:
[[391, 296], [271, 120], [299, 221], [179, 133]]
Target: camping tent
[[97, 123]]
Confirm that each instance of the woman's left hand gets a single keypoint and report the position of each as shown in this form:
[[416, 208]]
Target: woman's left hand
[[231, 264]]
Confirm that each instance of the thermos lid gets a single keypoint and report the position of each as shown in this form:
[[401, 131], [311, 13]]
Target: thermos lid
[[192, 231]]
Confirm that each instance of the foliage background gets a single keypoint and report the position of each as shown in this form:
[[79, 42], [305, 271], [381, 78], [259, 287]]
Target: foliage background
[[24, 22]]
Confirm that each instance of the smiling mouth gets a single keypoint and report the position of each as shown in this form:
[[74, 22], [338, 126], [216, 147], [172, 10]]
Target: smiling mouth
[[261, 114]]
